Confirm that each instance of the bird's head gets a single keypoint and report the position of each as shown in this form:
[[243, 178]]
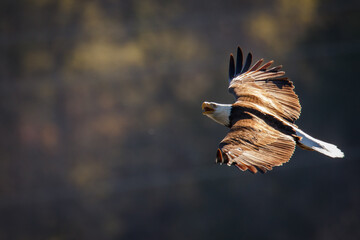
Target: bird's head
[[218, 112], [208, 108]]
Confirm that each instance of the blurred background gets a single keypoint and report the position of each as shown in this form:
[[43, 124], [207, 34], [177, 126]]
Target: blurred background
[[101, 131]]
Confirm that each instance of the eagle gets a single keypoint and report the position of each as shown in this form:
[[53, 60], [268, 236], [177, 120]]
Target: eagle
[[262, 131]]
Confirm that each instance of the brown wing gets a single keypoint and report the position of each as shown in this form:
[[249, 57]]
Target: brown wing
[[263, 86], [255, 145]]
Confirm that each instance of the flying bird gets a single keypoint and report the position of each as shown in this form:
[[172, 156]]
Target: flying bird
[[261, 120]]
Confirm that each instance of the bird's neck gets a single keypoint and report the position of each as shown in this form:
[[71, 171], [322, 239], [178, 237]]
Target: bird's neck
[[222, 114]]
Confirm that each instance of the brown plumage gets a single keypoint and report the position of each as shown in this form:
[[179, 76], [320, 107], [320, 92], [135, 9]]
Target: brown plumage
[[261, 121]]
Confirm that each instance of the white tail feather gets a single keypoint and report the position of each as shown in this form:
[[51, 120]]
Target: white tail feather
[[322, 147]]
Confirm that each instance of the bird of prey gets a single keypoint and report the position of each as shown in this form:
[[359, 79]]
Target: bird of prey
[[262, 131]]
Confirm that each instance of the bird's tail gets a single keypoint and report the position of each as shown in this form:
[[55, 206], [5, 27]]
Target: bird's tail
[[309, 143]]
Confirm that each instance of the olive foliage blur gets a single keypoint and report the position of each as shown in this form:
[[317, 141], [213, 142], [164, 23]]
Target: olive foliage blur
[[102, 135]]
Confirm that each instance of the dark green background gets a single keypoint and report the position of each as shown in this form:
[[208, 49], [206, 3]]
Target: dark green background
[[101, 131]]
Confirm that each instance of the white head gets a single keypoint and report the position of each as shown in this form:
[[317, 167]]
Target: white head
[[218, 112]]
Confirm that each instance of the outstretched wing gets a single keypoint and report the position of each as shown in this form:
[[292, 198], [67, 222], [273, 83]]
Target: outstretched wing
[[256, 143], [263, 86]]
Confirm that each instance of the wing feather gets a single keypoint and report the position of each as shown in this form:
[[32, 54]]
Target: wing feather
[[247, 63], [231, 68], [239, 61], [254, 145], [267, 87], [256, 65]]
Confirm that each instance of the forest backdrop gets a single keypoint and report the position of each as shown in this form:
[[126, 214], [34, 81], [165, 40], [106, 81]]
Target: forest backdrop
[[102, 135]]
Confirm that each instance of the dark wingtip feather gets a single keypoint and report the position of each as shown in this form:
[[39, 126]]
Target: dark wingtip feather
[[256, 65], [266, 65], [219, 158], [275, 69], [241, 167], [252, 169], [261, 169], [239, 61], [231, 68], [247, 63]]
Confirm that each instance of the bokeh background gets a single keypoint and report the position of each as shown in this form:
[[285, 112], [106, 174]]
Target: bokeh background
[[101, 131]]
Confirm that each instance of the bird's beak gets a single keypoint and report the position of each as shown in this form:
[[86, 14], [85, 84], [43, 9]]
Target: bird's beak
[[207, 108]]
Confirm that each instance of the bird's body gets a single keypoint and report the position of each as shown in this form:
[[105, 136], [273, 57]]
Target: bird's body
[[261, 121]]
